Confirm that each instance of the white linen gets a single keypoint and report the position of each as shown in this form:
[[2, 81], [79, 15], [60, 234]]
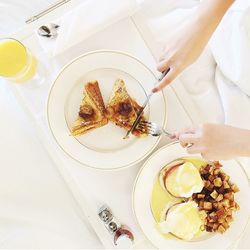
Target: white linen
[[86, 20], [230, 46]]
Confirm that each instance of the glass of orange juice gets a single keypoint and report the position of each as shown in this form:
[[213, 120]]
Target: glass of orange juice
[[17, 64]]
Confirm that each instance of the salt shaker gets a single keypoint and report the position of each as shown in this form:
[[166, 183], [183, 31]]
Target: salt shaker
[[122, 236]]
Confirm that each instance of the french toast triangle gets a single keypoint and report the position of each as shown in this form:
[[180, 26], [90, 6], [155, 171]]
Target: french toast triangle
[[92, 111], [122, 109]]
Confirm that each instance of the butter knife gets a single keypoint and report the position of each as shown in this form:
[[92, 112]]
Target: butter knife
[[139, 114]]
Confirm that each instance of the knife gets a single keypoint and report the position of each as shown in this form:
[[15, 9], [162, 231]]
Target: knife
[[139, 114]]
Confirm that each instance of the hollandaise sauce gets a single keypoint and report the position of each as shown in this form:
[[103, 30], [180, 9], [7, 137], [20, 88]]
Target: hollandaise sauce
[[161, 200]]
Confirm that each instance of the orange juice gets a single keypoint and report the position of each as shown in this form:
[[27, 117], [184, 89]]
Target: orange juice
[[16, 62]]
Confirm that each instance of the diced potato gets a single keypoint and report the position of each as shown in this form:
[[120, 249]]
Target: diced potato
[[209, 224], [201, 204], [213, 217], [212, 214], [225, 177], [207, 184], [211, 177], [220, 205], [221, 229], [217, 164], [215, 205], [209, 229], [225, 225], [216, 171], [225, 185], [207, 167], [221, 220], [208, 205], [200, 196], [219, 197], [225, 203], [237, 206], [214, 194], [221, 213], [203, 171], [221, 190], [211, 170], [235, 188], [211, 187], [229, 196], [229, 219], [217, 182]]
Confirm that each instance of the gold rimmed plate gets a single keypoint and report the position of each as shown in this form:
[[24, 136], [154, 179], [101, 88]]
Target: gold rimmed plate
[[142, 194], [103, 148]]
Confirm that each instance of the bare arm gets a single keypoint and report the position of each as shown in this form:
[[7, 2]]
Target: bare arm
[[188, 41]]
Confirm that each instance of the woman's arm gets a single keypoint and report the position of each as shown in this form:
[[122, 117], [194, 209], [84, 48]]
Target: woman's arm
[[188, 41], [216, 141]]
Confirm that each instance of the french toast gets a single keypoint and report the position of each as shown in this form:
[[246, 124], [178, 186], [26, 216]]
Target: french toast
[[122, 109], [92, 111]]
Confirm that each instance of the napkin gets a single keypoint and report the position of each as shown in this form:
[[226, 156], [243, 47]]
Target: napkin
[[85, 20]]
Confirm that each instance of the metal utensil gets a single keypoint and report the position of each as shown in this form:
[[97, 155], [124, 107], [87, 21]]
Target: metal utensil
[[46, 11], [152, 128], [49, 30], [139, 114]]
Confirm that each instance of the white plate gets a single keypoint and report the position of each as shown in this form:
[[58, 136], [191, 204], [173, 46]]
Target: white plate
[[141, 203], [104, 147]]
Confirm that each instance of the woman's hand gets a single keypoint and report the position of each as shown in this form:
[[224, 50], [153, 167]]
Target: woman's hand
[[215, 141], [183, 48], [186, 44]]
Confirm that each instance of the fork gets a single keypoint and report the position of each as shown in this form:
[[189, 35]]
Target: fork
[[152, 128]]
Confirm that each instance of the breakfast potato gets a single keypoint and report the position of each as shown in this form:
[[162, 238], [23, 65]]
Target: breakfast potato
[[216, 198]]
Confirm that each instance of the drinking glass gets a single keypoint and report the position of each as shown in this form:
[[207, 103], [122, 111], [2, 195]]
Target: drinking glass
[[17, 63]]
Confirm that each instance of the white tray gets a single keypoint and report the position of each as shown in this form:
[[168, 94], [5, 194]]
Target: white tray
[[78, 178]]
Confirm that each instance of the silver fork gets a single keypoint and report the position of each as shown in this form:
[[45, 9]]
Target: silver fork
[[152, 128]]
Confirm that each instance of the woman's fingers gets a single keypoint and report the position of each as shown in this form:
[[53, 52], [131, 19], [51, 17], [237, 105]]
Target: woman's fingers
[[190, 142], [190, 130], [188, 139], [170, 76], [163, 65]]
